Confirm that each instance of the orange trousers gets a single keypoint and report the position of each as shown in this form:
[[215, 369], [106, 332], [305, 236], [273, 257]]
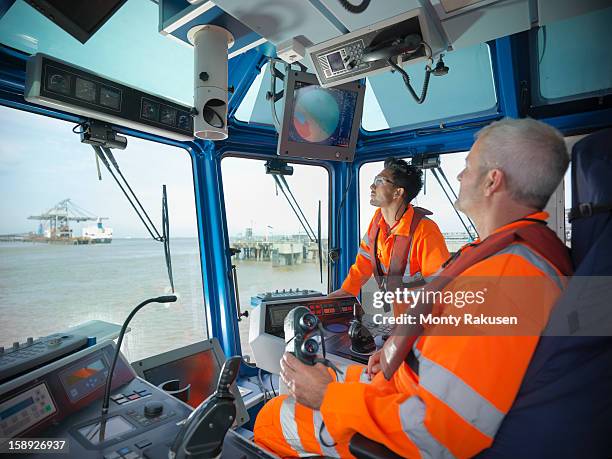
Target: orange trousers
[[289, 429]]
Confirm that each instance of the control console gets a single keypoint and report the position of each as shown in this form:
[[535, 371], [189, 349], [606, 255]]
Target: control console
[[283, 294], [267, 336], [63, 400], [24, 357]]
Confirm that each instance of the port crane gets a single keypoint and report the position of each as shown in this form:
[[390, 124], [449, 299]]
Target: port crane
[[62, 213]]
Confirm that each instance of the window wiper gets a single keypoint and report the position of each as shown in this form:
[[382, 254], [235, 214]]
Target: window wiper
[[102, 138], [295, 206], [433, 163], [278, 169]]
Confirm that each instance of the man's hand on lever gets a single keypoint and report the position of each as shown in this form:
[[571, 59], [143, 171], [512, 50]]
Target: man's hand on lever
[[307, 384]]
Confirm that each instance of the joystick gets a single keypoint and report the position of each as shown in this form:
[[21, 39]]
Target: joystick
[[362, 341]]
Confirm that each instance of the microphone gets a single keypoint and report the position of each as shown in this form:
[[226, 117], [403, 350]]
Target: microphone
[[109, 377]]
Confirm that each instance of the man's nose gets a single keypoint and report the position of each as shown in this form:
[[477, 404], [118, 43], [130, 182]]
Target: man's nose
[[460, 175], [373, 186]]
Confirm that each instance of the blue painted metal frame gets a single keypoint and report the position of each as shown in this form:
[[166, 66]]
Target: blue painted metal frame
[[219, 309], [260, 141]]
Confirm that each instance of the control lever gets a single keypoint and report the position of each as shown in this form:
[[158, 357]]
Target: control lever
[[202, 434], [362, 341]]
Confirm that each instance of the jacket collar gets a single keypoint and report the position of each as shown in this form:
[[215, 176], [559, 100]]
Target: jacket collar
[[401, 227]]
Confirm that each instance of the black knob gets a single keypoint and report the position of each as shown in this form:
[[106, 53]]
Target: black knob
[[310, 348], [153, 409]]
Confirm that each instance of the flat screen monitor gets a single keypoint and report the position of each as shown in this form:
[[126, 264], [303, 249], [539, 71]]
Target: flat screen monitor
[[80, 18], [198, 365], [320, 123]]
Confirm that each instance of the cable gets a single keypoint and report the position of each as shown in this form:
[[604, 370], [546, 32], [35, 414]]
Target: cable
[[355, 9], [272, 94], [323, 442], [272, 385], [80, 125], [406, 78], [543, 51], [262, 387]]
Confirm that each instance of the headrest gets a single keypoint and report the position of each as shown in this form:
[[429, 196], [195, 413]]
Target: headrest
[[591, 192], [592, 169]]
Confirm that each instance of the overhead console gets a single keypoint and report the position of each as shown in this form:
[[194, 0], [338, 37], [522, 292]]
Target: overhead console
[[366, 51], [57, 84]]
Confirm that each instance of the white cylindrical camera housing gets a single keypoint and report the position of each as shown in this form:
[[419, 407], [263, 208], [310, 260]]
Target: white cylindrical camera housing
[[210, 44]]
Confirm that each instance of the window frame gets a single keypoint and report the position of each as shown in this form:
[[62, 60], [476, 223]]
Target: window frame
[[234, 153]]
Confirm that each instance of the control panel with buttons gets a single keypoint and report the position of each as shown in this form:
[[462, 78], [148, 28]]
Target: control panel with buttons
[[24, 357]]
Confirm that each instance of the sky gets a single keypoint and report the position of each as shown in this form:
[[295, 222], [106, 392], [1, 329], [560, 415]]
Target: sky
[[42, 162]]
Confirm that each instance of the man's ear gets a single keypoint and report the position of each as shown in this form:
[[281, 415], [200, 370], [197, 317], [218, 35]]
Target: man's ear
[[399, 193], [494, 180]]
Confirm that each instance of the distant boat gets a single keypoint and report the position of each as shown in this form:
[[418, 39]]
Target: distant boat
[[98, 234], [57, 228]]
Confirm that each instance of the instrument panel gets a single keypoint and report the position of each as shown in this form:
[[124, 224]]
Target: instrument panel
[[334, 313]]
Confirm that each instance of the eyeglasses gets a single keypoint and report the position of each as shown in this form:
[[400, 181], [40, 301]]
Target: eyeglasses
[[379, 180]]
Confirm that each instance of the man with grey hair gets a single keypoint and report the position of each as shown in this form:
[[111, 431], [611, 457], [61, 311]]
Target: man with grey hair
[[513, 168], [439, 391]]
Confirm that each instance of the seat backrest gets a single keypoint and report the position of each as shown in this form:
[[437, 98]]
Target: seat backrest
[[564, 405]]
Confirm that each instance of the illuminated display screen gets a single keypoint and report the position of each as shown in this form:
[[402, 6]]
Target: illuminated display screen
[[335, 62], [22, 411], [16, 408], [83, 380], [278, 314], [114, 427], [322, 116], [201, 370]]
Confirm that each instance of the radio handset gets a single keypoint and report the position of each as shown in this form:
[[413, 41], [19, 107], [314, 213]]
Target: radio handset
[[300, 326], [389, 49]]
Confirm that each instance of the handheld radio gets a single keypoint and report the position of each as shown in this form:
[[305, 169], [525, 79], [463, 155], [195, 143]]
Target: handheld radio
[[300, 327]]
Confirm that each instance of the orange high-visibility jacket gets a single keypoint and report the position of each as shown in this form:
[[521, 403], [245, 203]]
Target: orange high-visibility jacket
[[426, 254], [464, 387]]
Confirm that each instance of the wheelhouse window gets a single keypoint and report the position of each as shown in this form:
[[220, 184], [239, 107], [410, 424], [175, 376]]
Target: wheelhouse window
[[72, 249], [278, 250], [431, 197], [467, 91], [563, 56]]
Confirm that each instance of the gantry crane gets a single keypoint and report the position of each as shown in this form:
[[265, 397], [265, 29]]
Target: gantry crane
[[62, 213]]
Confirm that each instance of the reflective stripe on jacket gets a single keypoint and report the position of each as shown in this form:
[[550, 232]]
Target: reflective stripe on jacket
[[454, 404]]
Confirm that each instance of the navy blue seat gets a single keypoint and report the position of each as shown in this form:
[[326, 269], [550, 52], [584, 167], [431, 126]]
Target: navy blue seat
[[564, 406]]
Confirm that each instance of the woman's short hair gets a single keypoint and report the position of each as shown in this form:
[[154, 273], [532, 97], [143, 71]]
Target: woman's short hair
[[405, 176]]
